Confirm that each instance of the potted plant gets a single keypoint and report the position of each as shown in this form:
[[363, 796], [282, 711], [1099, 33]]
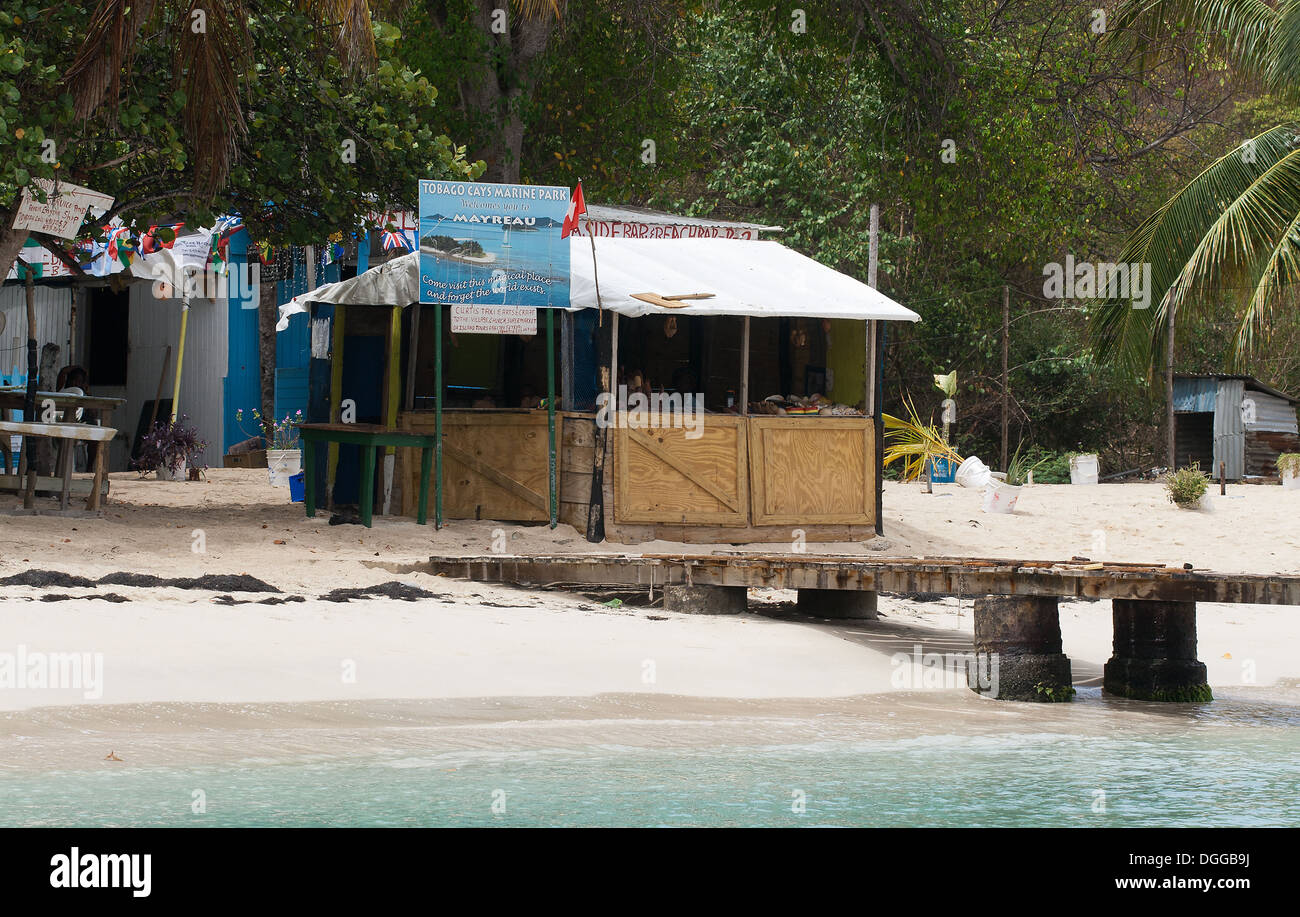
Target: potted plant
[[1084, 467], [168, 448], [1186, 486], [283, 457], [943, 470], [1001, 496], [1288, 468], [915, 444]]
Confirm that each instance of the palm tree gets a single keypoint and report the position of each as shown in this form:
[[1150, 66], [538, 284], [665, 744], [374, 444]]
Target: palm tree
[[1233, 232]]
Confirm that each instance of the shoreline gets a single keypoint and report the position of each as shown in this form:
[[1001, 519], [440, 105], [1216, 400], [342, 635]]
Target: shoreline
[[77, 738]]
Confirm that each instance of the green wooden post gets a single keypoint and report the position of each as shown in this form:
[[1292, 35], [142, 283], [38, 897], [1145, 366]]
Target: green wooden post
[[309, 478], [437, 416], [367, 482], [550, 413], [426, 464]]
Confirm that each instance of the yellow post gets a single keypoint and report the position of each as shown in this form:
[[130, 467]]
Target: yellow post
[[394, 373], [336, 391], [180, 359]]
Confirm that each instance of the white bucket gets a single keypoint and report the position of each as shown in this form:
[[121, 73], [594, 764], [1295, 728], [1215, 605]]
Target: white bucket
[[1290, 481], [972, 473], [1084, 469], [166, 474], [283, 464], [1000, 498]]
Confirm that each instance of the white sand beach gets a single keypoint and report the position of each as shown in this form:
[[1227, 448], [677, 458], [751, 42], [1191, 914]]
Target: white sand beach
[[174, 645]]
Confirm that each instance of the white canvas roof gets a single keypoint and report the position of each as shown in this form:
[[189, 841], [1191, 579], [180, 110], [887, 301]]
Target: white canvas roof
[[757, 278]]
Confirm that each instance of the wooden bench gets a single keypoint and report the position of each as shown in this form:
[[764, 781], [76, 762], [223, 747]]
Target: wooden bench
[[70, 432]]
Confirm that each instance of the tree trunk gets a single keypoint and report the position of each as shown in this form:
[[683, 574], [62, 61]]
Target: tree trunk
[[267, 316], [496, 92], [11, 242]]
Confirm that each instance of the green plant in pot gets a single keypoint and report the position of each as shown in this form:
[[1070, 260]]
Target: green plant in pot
[[1022, 466]]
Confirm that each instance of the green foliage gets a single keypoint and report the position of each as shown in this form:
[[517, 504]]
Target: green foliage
[[1055, 694], [914, 443], [291, 182], [1023, 463], [1049, 467], [1186, 486], [324, 146]]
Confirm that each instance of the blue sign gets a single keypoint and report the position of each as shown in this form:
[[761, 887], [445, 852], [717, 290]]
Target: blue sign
[[491, 244]]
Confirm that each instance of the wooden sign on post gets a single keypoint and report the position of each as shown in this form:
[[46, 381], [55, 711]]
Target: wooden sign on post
[[64, 209]]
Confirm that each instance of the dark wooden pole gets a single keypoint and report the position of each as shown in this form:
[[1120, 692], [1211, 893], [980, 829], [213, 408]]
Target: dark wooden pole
[[1006, 338], [29, 401]]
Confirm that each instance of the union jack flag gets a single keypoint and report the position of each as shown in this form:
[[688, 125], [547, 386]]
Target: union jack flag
[[392, 240]]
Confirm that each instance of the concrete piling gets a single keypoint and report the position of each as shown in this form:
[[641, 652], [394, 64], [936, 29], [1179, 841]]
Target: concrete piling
[[1154, 656], [1022, 635], [838, 603], [706, 600]]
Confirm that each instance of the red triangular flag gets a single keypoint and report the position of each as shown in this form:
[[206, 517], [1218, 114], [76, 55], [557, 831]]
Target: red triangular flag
[[577, 207]]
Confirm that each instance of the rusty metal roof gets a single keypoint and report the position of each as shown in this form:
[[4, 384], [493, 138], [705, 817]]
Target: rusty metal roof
[[1251, 383]]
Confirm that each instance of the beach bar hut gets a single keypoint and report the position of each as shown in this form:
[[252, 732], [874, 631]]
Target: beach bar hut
[[1233, 419], [713, 390]]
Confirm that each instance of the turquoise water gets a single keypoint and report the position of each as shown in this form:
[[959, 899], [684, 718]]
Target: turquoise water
[[1244, 775]]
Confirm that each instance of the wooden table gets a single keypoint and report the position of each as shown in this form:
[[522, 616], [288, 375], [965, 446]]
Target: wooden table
[[69, 432], [369, 437], [13, 398]]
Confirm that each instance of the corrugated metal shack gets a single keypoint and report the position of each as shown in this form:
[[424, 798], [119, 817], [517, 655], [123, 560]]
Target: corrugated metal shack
[[1234, 419]]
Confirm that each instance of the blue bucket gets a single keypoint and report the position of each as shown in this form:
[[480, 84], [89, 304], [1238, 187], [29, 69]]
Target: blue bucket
[[942, 471], [297, 488]]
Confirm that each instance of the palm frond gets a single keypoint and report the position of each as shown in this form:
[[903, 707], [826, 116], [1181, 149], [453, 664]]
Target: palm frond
[[209, 64], [1243, 29], [1219, 234], [350, 28], [96, 71], [913, 443], [1284, 66]]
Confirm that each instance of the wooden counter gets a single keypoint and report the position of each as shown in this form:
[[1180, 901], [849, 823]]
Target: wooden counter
[[494, 463], [812, 471], [741, 479]]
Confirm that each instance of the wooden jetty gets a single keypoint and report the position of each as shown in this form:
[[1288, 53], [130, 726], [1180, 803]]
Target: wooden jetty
[[1016, 602]]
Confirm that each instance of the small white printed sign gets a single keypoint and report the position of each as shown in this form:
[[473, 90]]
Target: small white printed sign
[[493, 320]]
